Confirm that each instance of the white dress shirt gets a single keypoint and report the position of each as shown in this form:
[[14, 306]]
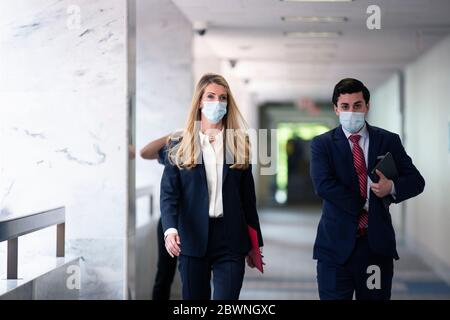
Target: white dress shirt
[[213, 162], [364, 144]]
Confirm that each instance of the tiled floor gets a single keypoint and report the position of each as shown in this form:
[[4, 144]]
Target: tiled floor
[[290, 271]]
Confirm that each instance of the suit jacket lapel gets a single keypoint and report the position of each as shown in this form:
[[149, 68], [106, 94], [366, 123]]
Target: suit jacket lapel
[[201, 168], [226, 166], [374, 148], [346, 155]]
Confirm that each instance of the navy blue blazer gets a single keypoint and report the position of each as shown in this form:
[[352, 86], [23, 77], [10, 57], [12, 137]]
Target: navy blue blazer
[[335, 181], [184, 205]]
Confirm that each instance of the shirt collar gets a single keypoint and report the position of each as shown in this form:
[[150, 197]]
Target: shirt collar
[[205, 138], [363, 132]]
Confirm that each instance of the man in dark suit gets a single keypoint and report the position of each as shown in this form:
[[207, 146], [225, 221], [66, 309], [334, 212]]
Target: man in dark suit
[[355, 244]]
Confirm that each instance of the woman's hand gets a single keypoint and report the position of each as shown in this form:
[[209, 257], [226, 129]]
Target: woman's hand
[[173, 244], [250, 262], [252, 255]]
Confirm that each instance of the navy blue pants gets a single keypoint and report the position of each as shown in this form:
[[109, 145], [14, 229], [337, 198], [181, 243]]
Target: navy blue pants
[[339, 282], [227, 269]]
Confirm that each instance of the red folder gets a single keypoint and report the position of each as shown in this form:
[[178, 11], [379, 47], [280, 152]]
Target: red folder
[[255, 253]]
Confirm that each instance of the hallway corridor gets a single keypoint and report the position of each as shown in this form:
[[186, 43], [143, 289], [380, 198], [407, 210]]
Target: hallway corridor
[[290, 271], [99, 100]]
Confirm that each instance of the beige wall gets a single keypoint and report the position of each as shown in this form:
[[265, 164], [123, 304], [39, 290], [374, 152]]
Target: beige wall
[[427, 121], [427, 95]]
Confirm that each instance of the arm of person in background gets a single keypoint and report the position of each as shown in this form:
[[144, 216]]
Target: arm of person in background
[[152, 149], [327, 186], [131, 152]]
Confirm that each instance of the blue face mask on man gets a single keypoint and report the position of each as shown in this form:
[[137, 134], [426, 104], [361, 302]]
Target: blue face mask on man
[[352, 121], [214, 111]]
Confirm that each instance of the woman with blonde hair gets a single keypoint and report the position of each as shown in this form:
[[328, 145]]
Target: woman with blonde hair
[[208, 195]]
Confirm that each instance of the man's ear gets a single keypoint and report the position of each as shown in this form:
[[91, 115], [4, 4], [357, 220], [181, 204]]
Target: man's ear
[[336, 110]]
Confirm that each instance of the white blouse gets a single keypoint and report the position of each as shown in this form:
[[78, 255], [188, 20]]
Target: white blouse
[[213, 161]]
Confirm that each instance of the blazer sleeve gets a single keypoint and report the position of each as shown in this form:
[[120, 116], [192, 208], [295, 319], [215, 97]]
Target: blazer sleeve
[[162, 155], [249, 202], [170, 196], [327, 186], [409, 182]]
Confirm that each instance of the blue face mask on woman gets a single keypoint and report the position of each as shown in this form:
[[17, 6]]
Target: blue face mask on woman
[[214, 111], [352, 121]]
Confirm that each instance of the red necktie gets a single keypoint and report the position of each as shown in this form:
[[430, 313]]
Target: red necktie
[[360, 166]]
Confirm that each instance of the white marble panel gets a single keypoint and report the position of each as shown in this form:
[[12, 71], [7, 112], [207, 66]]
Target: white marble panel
[[63, 127]]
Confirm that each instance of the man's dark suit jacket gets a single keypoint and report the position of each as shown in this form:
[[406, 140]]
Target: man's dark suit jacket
[[335, 181]]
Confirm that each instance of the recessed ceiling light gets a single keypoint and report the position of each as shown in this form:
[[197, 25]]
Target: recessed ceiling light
[[311, 56], [245, 47], [314, 19], [316, 0], [302, 34], [311, 45]]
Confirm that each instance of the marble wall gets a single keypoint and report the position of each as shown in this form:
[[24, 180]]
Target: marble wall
[[63, 130]]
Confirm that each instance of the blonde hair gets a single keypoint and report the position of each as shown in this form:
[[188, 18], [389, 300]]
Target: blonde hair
[[185, 153]]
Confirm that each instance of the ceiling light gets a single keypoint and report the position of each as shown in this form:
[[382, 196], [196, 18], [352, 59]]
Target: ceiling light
[[302, 34], [314, 19], [311, 45], [311, 56], [245, 47], [316, 0]]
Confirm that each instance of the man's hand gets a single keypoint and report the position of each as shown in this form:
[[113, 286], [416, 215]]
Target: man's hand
[[383, 187], [173, 244]]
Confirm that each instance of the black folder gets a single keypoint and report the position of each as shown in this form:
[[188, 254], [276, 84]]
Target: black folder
[[387, 166]]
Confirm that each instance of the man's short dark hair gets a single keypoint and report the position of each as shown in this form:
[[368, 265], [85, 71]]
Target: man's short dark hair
[[350, 85]]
